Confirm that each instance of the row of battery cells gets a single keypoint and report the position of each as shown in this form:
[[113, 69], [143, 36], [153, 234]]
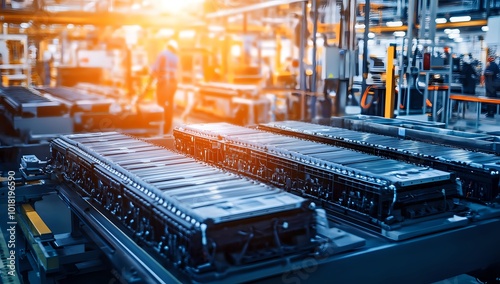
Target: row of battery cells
[[173, 174], [416, 148], [363, 162]]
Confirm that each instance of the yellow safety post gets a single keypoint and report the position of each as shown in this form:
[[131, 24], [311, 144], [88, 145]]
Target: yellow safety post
[[277, 60], [390, 83], [228, 59]]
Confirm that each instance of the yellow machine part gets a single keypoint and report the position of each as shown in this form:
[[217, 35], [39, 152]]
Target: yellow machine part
[[37, 226], [39, 236]]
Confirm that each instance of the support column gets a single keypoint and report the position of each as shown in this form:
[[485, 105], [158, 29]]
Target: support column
[[243, 55], [432, 20], [314, 60], [411, 24], [365, 46], [303, 41]]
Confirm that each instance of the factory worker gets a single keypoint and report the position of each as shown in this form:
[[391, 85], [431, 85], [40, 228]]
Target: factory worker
[[469, 76], [166, 72], [492, 82]]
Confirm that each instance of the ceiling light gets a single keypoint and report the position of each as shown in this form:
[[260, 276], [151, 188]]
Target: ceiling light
[[165, 33], [394, 24], [458, 39], [132, 28], [441, 21], [371, 35], [216, 28], [399, 34], [460, 19], [451, 31], [485, 28], [187, 34], [24, 25], [359, 26]]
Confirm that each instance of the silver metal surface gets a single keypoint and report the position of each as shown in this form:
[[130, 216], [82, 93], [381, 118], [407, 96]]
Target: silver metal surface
[[390, 170], [181, 175]]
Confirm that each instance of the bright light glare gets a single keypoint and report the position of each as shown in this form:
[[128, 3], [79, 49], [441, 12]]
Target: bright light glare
[[371, 35], [359, 26], [441, 21], [174, 6], [485, 28], [235, 50], [460, 19]]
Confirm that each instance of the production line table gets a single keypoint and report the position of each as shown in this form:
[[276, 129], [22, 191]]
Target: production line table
[[475, 99]]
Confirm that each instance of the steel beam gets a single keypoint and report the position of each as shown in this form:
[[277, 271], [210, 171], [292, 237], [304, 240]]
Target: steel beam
[[97, 19], [251, 8]]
